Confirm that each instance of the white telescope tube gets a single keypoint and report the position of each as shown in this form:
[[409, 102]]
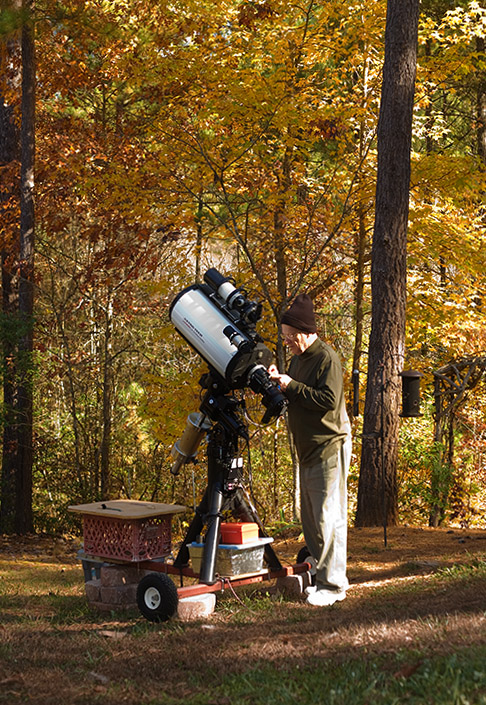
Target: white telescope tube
[[202, 324]]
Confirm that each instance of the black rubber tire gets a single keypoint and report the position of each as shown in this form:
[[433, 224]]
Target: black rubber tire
[[302, 556], [157, 597]]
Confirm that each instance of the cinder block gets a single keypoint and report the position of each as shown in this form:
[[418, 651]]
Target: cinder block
[[196, 607], [119, 595], [92, 588], [114, 575], [294, 584]]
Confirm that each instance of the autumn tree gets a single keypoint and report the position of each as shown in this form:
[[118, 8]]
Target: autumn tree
[[255, 134], [388, 269], [447, 226], [99, 312], [242, 135], [446, 244]]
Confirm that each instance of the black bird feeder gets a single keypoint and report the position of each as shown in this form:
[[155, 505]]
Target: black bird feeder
[[410, 393]]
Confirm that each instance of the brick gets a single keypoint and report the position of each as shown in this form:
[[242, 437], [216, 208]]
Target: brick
[[119, 595], [114, 575], [196, 607], [294, 584], [92, 588]]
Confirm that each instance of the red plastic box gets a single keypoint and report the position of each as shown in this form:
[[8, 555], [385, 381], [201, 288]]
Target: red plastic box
[[239, 532]]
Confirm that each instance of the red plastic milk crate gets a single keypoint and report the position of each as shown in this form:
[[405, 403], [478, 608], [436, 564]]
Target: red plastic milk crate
[[138, 531]]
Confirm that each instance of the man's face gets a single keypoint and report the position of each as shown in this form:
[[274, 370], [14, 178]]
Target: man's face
[[295, 340]]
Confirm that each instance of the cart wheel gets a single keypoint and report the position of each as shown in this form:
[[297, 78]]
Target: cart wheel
[[303, 556], [157, 597]]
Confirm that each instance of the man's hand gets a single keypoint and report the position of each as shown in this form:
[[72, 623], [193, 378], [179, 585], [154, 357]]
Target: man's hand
[[283, 380]]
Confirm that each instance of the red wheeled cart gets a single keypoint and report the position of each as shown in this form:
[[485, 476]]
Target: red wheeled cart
[[129, 532]]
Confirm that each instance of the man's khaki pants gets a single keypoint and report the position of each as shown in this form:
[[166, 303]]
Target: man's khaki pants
[[324, 510]]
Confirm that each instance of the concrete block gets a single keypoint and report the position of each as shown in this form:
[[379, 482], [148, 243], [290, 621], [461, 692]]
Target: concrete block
[[119, 595], [294, 584], [196, 607], [114, 575], [92, 588]]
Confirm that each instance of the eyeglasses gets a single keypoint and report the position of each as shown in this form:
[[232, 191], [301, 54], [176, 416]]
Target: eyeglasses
[[290, 336]]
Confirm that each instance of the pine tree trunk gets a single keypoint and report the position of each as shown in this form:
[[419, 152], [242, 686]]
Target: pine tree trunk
[[481, 107], [377, 490], [23, 519], [10, 440], [107, 406], [10, 67]]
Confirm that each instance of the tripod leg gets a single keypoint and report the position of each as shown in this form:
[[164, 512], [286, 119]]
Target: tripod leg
[[193, 532], [244, 509], [210, 552]]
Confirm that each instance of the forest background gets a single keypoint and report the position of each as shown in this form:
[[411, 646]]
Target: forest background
[[171, 137]]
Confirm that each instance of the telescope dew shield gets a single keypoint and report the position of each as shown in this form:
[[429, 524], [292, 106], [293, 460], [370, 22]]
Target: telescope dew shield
[[410, 393], [185, 448], [206, 329]]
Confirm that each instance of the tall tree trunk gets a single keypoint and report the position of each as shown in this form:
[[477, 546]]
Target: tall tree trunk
[[361, 244], [282, 287], [10, 440], [199, 238], [107, 405], [359, 288], [377, 490], [11, 73], [24, 522], [481, 106]]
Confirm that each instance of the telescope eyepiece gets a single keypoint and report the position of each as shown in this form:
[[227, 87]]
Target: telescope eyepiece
[[273, 400], [236, 339]]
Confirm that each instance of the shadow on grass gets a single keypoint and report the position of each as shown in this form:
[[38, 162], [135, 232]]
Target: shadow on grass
[[390, 645]]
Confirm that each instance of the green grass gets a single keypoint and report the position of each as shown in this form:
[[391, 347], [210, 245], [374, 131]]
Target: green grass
[[474, 567], [46, 601], [457, 679], [43, 591]]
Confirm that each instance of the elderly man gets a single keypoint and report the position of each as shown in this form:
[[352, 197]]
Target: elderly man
[[322, 434]]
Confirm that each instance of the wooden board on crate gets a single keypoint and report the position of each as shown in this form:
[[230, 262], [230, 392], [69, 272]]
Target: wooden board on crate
[[127, 509]]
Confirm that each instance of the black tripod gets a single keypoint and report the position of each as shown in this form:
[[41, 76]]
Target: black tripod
[[224, 490]]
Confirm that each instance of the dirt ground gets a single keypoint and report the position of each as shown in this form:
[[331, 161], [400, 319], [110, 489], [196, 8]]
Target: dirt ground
[[397, 599], [376, 555]]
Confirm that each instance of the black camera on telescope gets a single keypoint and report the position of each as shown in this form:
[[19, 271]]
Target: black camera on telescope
[[219, 321]]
